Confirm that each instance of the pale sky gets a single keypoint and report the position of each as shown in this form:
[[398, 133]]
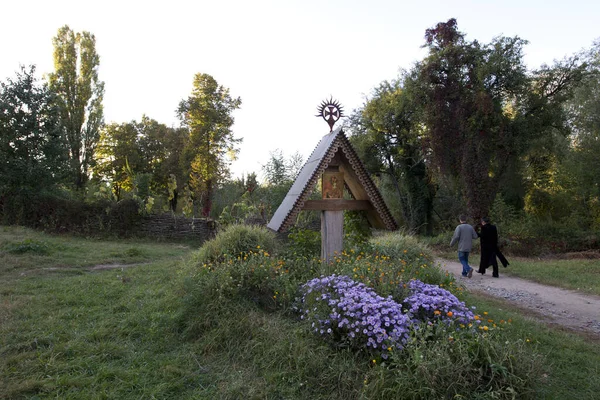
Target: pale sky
[[283, 58]]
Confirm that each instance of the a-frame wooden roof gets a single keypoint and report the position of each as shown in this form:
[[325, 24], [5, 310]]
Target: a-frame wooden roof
[[334, 148]]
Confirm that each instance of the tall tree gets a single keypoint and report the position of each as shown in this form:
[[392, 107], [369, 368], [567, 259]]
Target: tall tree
[[80, 93], [482, 110], [280, 170], [118, 151], [207, 114], [388, 133], [32, 149], [147, 147], [580, 172]]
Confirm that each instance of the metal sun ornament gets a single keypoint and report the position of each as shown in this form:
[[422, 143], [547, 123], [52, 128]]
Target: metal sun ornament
[[331, 111]]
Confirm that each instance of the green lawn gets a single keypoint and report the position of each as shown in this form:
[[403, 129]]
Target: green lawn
[[572, 360], [72, 333], [581, 274], [578, 274]]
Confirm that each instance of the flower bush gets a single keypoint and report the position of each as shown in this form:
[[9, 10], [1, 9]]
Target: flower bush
[[431, 302], [350, 313]]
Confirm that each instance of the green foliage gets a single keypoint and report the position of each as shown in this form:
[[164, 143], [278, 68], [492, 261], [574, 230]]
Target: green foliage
[[116, 153], [235, 240], [385, 273], [280, 170], [141, 159], [387, 133], [56, 212], [29, 246], [254, 276], [227, 194], [32, 147], [414, 256], [444, 362], [398, 245], [304, 243], [207, 114], [502, 213], [244, 209], [465, 122], [574, 185], [357, 230], [79, 97]]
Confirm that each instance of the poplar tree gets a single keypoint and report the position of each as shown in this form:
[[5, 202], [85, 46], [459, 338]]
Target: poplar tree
[[79, 94]]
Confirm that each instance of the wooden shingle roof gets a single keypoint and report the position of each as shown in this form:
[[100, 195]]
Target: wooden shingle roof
[[333, 146]]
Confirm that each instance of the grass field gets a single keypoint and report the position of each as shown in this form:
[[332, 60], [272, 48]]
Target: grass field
[[70, 332], [577, 274], [582, 275]]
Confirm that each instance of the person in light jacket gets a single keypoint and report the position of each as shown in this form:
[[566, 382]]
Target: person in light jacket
[[464, 235]]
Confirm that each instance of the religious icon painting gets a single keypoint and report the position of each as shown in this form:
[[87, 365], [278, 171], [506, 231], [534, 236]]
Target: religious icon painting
[[333, 185]]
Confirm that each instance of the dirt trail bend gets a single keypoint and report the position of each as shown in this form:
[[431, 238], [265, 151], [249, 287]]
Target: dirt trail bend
[[560, 306]]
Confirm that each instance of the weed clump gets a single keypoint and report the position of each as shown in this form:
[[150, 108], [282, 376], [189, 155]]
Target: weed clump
[[30, 246], [235, 240]]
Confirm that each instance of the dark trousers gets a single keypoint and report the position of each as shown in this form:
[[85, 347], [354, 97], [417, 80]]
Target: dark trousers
[[488, 257]]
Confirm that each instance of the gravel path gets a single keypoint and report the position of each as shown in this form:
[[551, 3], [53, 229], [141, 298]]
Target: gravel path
[[551, 304]]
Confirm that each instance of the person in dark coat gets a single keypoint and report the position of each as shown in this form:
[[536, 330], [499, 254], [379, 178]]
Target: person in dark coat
[[488, 234]]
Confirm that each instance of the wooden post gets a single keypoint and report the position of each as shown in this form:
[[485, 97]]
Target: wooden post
[[332, 233], [332, 221]]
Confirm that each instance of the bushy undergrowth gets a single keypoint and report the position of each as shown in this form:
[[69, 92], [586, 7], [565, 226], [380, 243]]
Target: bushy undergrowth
[[530, 236], [398, 245], [236, 240], [441, 363], [384, 273], [393, 306], [31, 246], [56, 212], [304, 243]]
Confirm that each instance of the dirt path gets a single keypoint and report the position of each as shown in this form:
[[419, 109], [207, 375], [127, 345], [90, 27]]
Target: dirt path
[[559, 306]]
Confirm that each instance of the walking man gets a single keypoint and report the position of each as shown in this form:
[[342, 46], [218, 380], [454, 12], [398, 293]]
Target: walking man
[[489, 248], [464, 235]]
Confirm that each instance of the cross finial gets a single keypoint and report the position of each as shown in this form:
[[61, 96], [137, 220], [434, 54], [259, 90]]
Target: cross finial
[[331, 111]]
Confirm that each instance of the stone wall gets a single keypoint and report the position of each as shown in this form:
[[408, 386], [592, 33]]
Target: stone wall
[[171, 226]]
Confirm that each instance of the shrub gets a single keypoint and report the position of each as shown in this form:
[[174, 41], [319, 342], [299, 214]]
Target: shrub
[[357, 231], [384, 273], [255, 276], [351, 314], [236, 240], [426, 302], [434, 348], [304, 243], [397, 257], [398, 245], [57, 212], [439, 362], [29, 246]]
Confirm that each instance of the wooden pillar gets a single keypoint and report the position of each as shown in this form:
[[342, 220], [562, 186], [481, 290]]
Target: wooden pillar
[[332, 234], [332, 221]]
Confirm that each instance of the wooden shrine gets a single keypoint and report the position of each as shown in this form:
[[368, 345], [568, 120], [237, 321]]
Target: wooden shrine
[[336, 163]]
